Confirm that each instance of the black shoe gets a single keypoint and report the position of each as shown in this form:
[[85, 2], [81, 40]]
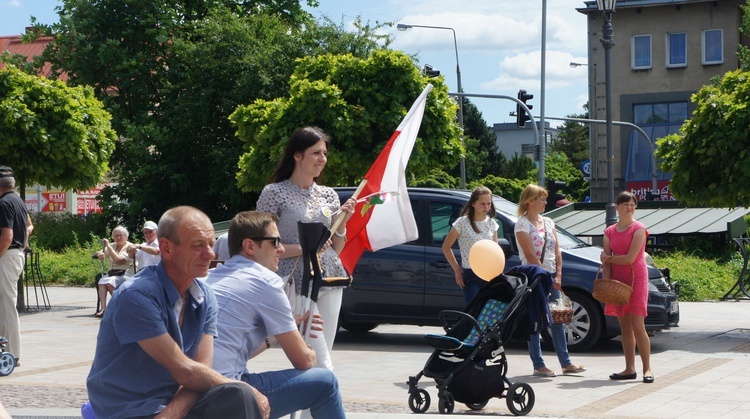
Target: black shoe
[[18, 364], [617, 376], [648, 379]]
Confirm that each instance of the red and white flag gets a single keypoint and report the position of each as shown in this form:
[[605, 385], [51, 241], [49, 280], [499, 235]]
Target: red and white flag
[[375, 227]]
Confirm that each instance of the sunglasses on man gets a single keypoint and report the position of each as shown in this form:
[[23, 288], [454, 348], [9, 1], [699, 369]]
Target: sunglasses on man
[[276, 240]]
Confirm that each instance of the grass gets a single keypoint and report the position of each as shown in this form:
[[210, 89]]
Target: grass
[[73, 266], [700, 278]]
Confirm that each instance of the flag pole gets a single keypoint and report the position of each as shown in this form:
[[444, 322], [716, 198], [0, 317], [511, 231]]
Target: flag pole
[[336, 224]]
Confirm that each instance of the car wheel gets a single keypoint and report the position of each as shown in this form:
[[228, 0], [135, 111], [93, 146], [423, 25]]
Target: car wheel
[[359, 327], [586, 328]]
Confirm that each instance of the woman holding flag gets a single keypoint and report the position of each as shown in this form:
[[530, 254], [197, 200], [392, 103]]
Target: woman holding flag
[[293, 195]]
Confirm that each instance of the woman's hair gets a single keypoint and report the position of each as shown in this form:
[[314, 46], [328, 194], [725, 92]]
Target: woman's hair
[[246, 225], [301, 140], [121, 229], [624, 197], [530, 193], [468, 209]]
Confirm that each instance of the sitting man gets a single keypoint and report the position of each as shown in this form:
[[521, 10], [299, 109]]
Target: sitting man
[[252, 307], [155, 344], [147, 253]]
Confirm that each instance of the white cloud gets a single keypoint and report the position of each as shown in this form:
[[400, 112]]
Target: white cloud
[[14, 3], [524, 71]]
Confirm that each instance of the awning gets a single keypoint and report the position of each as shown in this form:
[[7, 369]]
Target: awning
[[661, 218]]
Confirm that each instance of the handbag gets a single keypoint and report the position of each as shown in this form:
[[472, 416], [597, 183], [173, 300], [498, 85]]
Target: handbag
[[116, 272], [544, 246]]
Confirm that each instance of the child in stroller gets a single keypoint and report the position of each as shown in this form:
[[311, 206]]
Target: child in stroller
[[469, 363]]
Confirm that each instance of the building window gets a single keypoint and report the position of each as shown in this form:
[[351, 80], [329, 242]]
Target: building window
[[641, 48], [657, 120], [676, 50], [713, 46]]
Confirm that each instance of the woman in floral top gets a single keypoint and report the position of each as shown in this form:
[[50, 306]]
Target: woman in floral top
[[536, 237], [293, 195], [475, 223]]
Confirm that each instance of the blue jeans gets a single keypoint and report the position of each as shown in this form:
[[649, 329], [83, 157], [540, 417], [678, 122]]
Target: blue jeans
[[472, 285], [558, 340], [288, 391]]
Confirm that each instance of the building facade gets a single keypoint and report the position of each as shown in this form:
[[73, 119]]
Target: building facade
[[665, 51], [511, 140]]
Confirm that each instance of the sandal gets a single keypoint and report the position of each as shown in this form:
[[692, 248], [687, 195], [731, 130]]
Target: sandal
[[548, 373], [572, 369], [99, 314]]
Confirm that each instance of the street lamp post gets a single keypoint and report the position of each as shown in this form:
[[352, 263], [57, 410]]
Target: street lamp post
[[607, 7], [403, 27]]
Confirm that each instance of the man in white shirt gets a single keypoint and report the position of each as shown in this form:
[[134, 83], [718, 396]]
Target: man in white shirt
[[147, 253], [252, 308]]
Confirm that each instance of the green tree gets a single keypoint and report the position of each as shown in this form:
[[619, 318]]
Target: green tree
[[51, 133], [360, 102], [558, 167], [743, 52], [509, 189], [484, 159], [519, 167], [171, 73], [573, 140], [710, 157]]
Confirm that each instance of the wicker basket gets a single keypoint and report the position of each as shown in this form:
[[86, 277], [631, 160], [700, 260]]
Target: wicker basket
[[562, 316], [612, 291], [562, 310]]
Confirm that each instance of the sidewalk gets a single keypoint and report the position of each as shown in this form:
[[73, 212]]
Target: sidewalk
[[702, 368]]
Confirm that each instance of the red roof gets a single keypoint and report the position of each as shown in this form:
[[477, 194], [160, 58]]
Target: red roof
[[14, 45]]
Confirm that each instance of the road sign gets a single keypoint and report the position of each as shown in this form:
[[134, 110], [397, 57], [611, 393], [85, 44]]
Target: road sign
[[586, 167]]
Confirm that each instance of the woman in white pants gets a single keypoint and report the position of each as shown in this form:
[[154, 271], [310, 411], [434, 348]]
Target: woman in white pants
[[293, 195]]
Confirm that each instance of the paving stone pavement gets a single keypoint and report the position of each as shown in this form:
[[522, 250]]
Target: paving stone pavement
[[702, 368]]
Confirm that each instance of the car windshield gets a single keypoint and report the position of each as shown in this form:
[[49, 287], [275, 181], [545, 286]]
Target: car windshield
[[567, 240]]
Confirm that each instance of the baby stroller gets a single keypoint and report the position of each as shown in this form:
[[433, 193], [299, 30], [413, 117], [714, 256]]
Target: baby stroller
[[7, 360], [469, 363]]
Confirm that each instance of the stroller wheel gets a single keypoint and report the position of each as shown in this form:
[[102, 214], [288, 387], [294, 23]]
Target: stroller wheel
[[446, 403], [419, 401], [520, 399], [477, 406], [7, 363]]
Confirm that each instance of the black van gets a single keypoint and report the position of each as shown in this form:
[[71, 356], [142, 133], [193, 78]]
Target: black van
[[412, 282]]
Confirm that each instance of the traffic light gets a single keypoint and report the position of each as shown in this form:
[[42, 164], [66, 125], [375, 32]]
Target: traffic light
[[430, 72], [552, 187], [521, 115]]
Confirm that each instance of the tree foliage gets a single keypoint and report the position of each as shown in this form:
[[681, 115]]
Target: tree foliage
[[359, 102], [743, 52], [559, 167], [509, 189], [482, 156], [573, 140], [172, 72], [710, 157], [51, 133]]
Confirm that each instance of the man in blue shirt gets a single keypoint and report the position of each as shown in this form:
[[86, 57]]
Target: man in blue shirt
[[155, 344], [252, 307]]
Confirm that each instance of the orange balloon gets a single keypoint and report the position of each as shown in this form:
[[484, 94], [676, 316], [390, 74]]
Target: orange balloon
[[487, 259]]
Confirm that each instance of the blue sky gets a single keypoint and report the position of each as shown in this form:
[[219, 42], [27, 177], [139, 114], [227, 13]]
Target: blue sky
[[499, 44]]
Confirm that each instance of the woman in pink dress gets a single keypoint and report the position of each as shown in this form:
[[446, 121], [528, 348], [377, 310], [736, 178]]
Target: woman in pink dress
[[624, 259]]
